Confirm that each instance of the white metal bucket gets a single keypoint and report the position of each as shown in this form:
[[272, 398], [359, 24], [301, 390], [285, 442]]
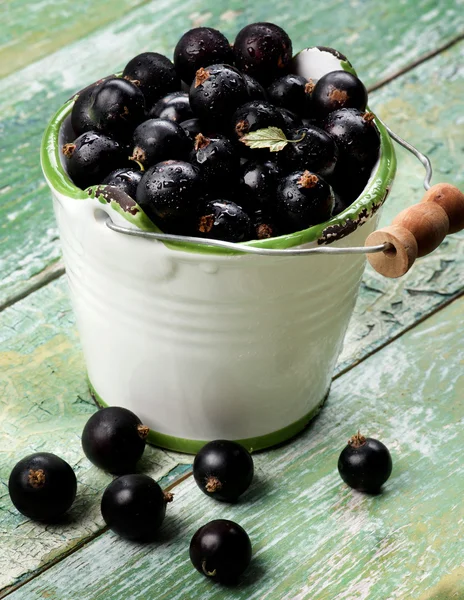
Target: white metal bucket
[[203, 343]]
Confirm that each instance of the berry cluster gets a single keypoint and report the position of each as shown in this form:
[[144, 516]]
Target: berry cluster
[[43, 486], [251, 151]]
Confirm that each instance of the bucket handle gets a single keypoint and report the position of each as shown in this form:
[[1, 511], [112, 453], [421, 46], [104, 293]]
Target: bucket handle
[[415, 232]]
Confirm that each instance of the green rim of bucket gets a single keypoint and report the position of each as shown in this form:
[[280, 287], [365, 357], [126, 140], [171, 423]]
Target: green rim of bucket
[[187, 446], [337, 227]]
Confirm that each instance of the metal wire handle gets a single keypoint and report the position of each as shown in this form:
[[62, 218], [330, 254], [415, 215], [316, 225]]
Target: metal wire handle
[[167, 237]]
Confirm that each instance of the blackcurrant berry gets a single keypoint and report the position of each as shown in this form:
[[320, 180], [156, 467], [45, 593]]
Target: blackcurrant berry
[[257, 185], [221, 550], [255, 89], [264, 224], [192, 128], [198, 48], [159, 139], [262, 50], [216, 93], [126, 179], [252, 116], [224, 220], [169, 193], [134, 507], [217, 160], [356, 136], [154, 74], [175, 107], [348, 181], [114, 439], [303, 199], [290, 92], [91, 157], [314, 151], [116, 107], [336, 90], [42, 486], [291, 120], [80, 120], [365, 464], [223, 470]]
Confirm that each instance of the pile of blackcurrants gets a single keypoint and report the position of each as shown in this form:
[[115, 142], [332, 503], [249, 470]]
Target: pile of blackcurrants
[[251, 151], [43, 487]]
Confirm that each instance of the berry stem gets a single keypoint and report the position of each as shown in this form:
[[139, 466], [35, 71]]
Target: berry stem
[[168, 497], [143, 431], [205, 570], [357, 440]]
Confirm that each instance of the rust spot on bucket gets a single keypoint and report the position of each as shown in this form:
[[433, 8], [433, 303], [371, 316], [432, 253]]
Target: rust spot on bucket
[[114, 194]]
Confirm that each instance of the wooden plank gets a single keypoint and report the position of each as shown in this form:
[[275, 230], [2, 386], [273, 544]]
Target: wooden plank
[[313, 537], [28, 97], [30, 32], [44, 404]]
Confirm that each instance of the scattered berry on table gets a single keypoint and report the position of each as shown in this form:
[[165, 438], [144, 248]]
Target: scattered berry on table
[[169, 193], [224, 220], [262, 50], [159, 139], [223, 469], [114, 439], [92, 156], [175, 107], [154, 74], [365, 464], [303, 199], [337, 90], [125, 179], [134, 507], [221, 550], [198, 48], [42, 486], [216, 93]]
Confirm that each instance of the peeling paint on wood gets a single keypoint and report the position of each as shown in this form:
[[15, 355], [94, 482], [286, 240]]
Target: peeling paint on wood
[[313, 537]]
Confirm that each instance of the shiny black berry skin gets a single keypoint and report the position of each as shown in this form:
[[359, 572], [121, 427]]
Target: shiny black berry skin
[[159, 139], [290, 92], [262, 50], [303, 199], [224, 220], [169, 194], [356, 136], [365, 464], [291, 120], [221, 550], [216, 93], [316, 151], [264, 224], [154, 75], [91, 157], [80, 120], [198, 48], [116, 108], [255, 89], [336, 90], [217, 160], [134, 507], [126, 179], [42, 486], [223, 470], [252, 116], [113, 439], [175, 107], [349, 181], [192, 128], [257, 185]]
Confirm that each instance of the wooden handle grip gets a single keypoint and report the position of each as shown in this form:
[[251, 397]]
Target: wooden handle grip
[[440, 212]]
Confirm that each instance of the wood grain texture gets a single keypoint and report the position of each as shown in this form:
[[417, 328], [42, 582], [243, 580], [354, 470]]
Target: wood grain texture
[[44, 404], [30, 96], [313, 537]]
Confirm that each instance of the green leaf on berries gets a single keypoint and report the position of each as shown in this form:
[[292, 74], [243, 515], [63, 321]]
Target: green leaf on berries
[[270, 137]]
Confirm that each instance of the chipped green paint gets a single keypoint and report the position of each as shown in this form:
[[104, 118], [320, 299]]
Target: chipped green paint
[[29, 97], [313, 537]]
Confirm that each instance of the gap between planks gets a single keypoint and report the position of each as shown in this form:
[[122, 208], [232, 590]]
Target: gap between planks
[[55, 271]]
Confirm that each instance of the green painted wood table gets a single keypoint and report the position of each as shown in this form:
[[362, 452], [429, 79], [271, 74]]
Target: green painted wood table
[[399, 377]]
